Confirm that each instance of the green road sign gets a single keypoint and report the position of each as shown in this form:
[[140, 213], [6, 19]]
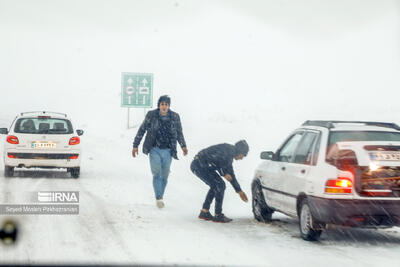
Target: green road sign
[[137, 90]]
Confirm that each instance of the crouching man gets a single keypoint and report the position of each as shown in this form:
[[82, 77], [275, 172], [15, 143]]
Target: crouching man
[[212, 163]]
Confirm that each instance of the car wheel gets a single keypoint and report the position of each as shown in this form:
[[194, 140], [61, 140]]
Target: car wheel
[[306, 222], [8, 171], [75, 172], [261, 211]]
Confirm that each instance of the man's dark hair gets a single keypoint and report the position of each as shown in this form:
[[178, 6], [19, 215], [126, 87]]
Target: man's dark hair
[[164, 98], [242, 147]]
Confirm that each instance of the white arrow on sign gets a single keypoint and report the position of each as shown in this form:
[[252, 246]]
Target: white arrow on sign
[[144, 81]]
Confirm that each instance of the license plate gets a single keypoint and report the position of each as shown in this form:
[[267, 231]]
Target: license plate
[[43, 145], [385, 156]]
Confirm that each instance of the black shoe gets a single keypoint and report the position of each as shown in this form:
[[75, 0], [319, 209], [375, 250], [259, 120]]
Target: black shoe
[[221, 218], [205, 216]]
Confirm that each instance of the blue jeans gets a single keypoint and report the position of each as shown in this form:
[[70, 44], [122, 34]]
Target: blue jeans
[[160, 163]]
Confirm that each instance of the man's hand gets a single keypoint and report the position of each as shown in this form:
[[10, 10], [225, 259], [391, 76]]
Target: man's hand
[[135, 152], [243, 196], [185, 150], [228, 177]]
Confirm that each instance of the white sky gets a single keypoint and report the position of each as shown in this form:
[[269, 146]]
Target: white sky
[[253, 69], [219, 60]]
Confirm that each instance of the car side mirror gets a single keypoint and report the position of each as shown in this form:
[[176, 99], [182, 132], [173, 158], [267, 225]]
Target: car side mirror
[[3, 131], [79, 132], [267, 155]]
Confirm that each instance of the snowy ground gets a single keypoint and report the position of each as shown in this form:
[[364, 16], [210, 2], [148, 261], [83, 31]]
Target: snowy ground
[[234, 69], [119, 222]]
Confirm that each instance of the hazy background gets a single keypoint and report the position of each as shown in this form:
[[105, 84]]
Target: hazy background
[[273, 64], [234, 69]]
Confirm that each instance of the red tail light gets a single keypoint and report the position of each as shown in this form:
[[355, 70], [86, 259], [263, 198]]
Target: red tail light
[[12, 139], [12, 156], [74, 140], [340, 185], [74, 157]]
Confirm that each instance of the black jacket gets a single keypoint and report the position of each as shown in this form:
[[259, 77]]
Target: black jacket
[[151, 125], [220, 158]]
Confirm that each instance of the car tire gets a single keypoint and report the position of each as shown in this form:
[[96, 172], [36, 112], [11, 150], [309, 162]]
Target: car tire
[[8, 171], [307, 222], [262, 212], [75, 172]]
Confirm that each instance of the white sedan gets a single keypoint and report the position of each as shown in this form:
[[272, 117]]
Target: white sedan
[[332, 172], [42, 139]]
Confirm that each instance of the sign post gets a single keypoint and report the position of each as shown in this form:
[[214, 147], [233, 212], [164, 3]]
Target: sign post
[[136, 91]]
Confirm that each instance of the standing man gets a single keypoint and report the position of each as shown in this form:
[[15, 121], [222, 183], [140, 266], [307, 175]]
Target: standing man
[[212, 163], [164, 129]]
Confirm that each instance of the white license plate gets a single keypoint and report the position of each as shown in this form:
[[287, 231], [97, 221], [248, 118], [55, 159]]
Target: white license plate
[[385, 156], [43, 145]]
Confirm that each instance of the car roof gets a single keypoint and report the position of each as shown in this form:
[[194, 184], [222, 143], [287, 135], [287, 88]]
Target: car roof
[[352, 126], [34, 114], [358, 127]]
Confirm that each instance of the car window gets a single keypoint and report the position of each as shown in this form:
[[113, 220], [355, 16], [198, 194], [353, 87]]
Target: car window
[[345, 136], [288, 149], [304, 150], [43, 126], [316, 151]]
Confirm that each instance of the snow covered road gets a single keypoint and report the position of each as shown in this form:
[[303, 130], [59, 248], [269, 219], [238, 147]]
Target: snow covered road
[[251, 70], [119, 222]]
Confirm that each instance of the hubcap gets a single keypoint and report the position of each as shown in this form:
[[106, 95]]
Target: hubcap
[[305, 219]]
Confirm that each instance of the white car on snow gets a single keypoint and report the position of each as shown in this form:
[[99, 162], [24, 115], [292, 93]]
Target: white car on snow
[[42, 139], [332, 172]]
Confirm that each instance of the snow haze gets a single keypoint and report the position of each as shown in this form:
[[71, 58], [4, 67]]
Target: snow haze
[[251, 70]]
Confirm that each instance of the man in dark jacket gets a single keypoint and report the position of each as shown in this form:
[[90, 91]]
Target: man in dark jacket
[[164, 129], [212, 163]]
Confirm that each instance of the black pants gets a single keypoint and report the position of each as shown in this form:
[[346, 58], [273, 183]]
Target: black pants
[[214, 181]]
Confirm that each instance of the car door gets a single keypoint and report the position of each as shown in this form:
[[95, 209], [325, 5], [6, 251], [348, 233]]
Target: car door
[[277, 171], [297, 170]]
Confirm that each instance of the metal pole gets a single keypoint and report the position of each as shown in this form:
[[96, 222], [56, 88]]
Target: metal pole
[[128, 118]]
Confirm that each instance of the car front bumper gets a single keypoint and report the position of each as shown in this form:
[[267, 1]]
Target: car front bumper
[[356, 213]]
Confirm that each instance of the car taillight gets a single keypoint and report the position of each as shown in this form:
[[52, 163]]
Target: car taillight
[[74, 157], [340, 185], [74, 140], [12, 139], [12, 156]]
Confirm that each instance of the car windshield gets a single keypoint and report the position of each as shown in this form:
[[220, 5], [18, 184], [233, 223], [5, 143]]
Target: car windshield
[[43, 126], [345, 136]]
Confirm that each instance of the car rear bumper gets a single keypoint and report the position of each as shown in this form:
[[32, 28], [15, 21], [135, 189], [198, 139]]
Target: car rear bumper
[[28, 160], [357, 213]]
